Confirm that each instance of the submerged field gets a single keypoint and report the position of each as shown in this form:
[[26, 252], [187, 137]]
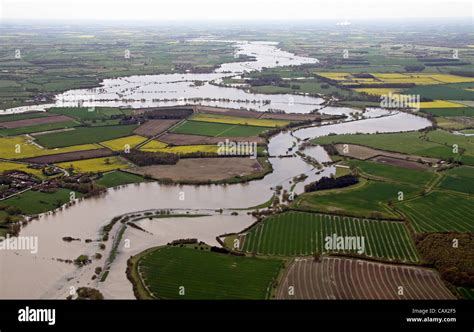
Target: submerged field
[[435, 198]]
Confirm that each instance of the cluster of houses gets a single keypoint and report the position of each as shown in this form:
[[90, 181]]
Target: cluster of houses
[[14, 182]]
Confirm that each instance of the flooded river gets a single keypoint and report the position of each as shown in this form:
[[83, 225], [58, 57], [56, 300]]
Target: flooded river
[[41, 275]]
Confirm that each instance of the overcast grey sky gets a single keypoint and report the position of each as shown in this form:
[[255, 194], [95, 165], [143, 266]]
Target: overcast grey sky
[[232, 9]]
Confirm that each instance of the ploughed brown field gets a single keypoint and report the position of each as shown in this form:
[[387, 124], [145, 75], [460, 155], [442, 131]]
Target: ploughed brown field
[[399, 162], [229, 112], [201, 169], [346, 279], [35, 121], [364, 153], [184, 139], [154, 127], [71, 156]]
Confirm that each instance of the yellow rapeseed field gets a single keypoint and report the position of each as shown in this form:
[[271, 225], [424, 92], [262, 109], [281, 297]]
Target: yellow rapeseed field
[[439, 104], [238, 120], [19, 147], [447, 78], [153, 146], [157, 146], [422, 78], [119, 144], [185, 149], [381, 78], [378, 91], [96, 165], [334, 75], [8, 166]]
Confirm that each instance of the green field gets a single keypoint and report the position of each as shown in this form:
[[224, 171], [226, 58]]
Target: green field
[[459, 179], [436, 144], [463, 142], [303, 234], [467, 293], [443, 91], [118, 178], [34, 202], [22, 116], [457, 111], [86, 114], [440, 212], [206, 275], [393, 173], [410, 142], [38, 128], [58, 60], [368, 198], [217, 129], [84, 135]]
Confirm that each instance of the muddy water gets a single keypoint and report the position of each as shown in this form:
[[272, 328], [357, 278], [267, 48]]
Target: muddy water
[[24, 275], [179, 89], [397, 122], [35, 276], [163, 231]]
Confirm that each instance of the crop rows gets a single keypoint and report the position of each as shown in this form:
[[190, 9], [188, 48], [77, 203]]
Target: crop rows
[[440, 212], [303, 234], [206, 275], [354, 279]]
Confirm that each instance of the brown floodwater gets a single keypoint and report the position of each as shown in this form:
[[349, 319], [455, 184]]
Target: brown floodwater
[[40, 275]]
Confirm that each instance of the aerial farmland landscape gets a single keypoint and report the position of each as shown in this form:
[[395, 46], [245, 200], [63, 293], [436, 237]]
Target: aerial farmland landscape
[[324, 155]]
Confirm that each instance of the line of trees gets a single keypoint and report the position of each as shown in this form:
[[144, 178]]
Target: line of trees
[[331, 183], [142, 158]]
